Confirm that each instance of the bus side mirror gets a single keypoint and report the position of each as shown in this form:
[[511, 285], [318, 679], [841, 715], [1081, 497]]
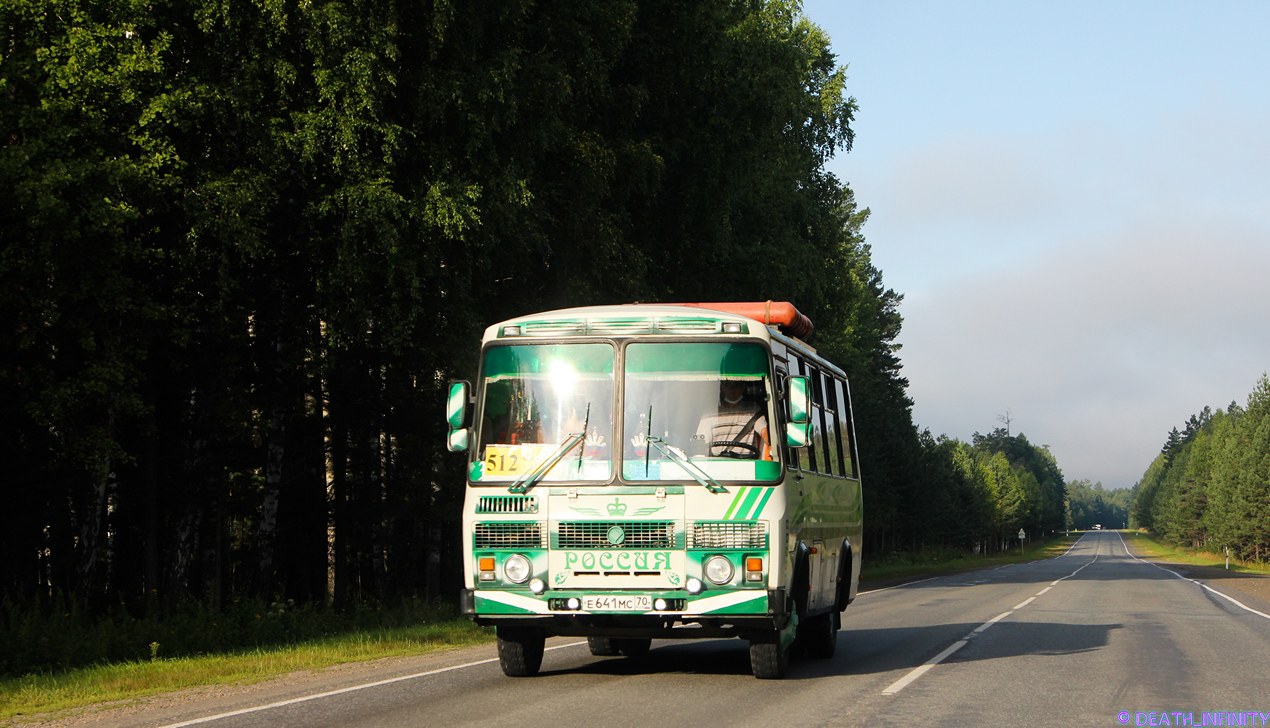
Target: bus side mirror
[[456, 416], [799, 413]]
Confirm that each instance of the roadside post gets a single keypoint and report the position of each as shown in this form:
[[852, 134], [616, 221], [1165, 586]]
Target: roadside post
[[1022, 536], [1227, 558]]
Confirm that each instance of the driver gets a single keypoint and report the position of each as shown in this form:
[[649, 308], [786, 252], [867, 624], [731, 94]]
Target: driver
[[738, 429]]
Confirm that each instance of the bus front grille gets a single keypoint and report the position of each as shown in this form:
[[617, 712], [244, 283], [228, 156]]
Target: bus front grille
[[616, 534], [507, 504], [511, 535], [727, 535]]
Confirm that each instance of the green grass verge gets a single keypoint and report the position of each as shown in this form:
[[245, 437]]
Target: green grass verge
[[1151, 545], [60, 691], [934, 562], [65, 690]]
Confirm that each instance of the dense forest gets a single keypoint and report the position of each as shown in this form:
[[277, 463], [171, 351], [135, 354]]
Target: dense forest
[[1089, 505], [1209, 488], [245, 244]]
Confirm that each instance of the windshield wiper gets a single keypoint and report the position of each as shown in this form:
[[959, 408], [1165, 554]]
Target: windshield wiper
[[702, 477], [530, 479]]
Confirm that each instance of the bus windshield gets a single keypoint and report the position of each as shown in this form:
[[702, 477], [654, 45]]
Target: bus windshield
[[535, 397], [708, 403]]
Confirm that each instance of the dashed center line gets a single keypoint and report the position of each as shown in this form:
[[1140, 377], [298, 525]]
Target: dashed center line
[[925, 667]]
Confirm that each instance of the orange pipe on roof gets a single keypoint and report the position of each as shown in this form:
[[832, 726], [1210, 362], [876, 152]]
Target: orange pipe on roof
[[778, 313]]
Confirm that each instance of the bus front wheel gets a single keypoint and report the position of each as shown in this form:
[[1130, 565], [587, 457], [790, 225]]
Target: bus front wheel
[[520, 650], [769, 660]]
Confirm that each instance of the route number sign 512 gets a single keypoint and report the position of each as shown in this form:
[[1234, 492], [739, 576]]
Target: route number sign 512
[[514, 459]]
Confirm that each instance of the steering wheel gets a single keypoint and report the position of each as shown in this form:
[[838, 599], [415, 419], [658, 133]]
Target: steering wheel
[[731, 445]]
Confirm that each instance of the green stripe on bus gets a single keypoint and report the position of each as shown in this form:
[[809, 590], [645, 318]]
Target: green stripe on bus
[[736, 499], [745, 507], [757, 605], [762, 503], [490, 606]]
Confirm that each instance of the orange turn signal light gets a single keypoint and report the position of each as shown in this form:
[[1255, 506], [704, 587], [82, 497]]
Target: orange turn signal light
[[753, 563], [487, 563]]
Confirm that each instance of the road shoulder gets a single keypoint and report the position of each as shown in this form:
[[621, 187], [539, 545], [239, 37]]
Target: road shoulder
[[1254, 585]]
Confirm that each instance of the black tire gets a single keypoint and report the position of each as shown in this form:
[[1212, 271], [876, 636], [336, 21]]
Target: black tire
[[819, 635], [520, 650], [768, 660], [633, 647], [602, 646]]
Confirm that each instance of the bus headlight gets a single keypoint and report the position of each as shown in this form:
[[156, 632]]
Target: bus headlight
[[719, 569], [694, 585], [537, 586], [516, 568]]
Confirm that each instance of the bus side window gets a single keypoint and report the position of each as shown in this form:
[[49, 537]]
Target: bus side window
[[845, 429], [807, 455], [824, 417], [778, 434], [833, 428], [820, 464], [841, 447]]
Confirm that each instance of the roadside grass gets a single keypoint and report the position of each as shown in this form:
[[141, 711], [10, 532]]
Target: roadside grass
[[52, 692], [1153, 546], [939, 561], [55, 691]]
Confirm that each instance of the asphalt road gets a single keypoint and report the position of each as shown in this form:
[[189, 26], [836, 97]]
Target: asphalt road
[[1092, 638]]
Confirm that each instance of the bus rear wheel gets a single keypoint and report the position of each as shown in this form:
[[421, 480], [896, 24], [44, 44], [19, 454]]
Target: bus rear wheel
[[633, 647], [602, 646], [819, 635], [520, 650]]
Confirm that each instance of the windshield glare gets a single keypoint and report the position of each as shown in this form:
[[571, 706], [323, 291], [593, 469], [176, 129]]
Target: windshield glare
[[534, 398]]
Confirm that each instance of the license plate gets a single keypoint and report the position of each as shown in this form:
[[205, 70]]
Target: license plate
[[617, 603]]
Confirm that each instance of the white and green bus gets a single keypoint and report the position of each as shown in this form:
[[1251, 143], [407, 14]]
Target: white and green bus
[[658, 471]]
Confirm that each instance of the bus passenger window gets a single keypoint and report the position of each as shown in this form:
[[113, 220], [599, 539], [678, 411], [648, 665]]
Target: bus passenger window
[[833, 449], [844, 430]]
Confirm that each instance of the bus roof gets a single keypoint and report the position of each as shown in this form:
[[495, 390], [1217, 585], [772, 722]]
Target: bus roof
[[626, 320], [666, 319]]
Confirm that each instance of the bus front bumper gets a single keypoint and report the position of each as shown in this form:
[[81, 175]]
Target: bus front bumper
[[720, 614]]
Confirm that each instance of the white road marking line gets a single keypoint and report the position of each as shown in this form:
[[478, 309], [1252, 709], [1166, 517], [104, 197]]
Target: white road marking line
[[991, 622], [897, 586], [1024, 603], [1069, 550], [353, 688], [1238, 603], [917, 672], [922, 669], [1074, 573]]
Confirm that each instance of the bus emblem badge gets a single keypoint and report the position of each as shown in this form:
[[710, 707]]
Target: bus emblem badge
[[616, 535]]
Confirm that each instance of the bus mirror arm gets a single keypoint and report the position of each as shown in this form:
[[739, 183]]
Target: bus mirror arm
[[699, 475], [529, 480]]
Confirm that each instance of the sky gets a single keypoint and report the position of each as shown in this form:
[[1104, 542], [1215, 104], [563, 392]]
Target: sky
[[1074, 199]]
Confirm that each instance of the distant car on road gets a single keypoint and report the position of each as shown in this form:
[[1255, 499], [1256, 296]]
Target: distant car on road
[[1097, 526]]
